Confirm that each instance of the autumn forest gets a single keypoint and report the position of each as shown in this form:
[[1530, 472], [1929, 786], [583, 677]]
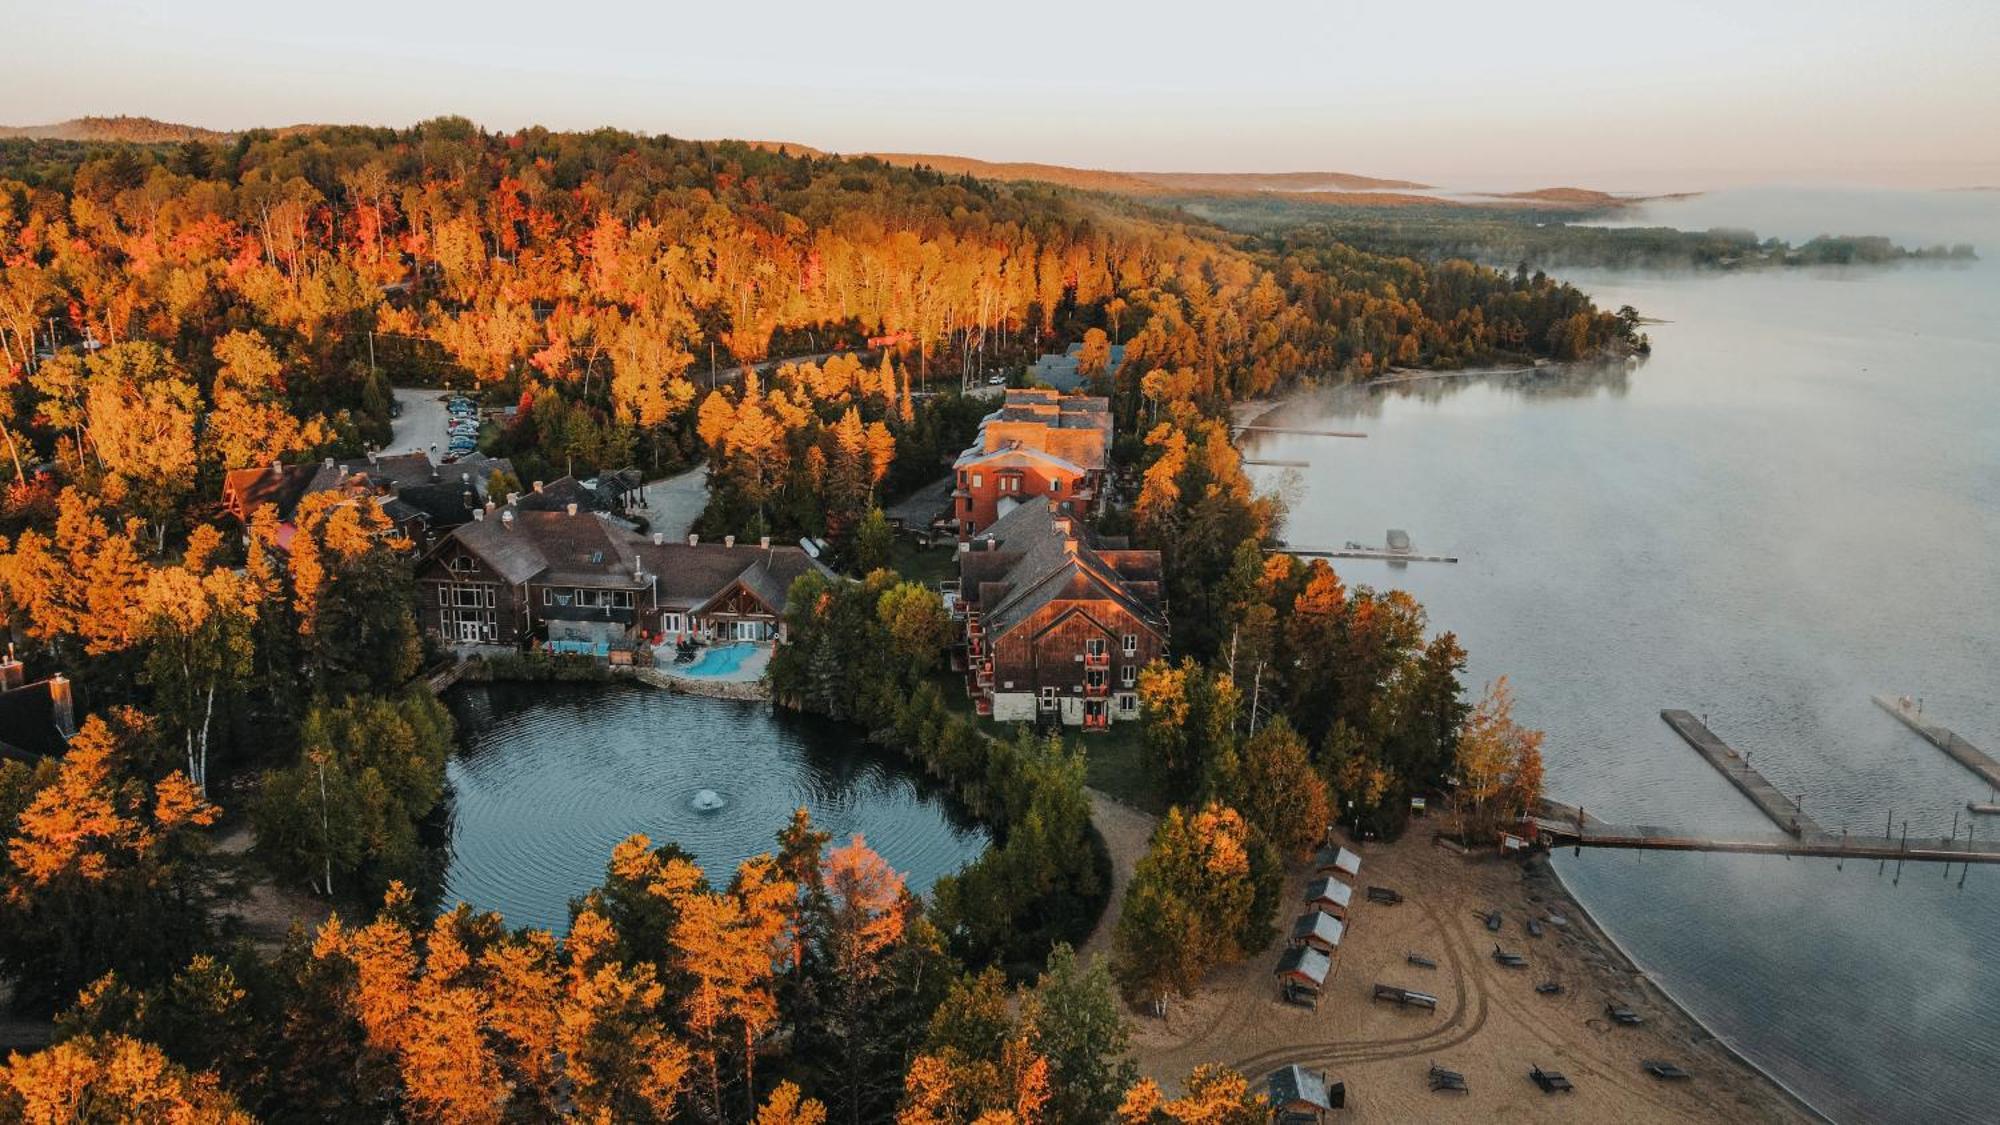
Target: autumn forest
[[803, 325]]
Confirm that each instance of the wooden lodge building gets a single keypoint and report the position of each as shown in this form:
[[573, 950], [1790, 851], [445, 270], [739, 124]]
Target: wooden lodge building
[[1058, 621], [422, 499], [579, 581], [1038, 444]]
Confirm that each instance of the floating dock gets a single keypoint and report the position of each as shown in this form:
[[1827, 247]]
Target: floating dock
[[1365, 553], [1564, 825], [1961, 751], [1280, 464], [1782, 810]]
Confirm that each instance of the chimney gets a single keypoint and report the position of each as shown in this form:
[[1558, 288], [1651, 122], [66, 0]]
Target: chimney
[[694, 540], [763, 542], [277, 470], [62, 707], [479, 514], [572, 508], [329, 462], [373, 454], [507, 517], [513, 497], [435, 475], [11, 673], [538, 486], [659, 538], [465, 478], [728, 541]]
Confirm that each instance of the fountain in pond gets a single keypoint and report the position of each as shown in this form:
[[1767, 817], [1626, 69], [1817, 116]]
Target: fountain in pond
[[707, 800]]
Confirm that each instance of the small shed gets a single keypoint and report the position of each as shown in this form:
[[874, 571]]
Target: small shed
[[1330, 895], [1298, 1096], [1302, 972], [1336, 860], [1399, 541], [1318, 929]]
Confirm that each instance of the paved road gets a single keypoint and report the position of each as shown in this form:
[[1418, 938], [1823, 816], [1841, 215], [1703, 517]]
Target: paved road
[[673, 503]]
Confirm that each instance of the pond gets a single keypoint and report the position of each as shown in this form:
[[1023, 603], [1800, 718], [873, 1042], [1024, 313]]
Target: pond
[[551, 776]]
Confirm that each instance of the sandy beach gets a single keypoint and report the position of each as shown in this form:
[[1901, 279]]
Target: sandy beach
[[1490, 1024]]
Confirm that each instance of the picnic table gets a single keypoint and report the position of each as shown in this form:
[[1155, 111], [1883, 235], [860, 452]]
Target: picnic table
[[1450, 1081], [1551, 1082]]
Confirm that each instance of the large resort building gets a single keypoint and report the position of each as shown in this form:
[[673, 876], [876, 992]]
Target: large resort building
[[1038, 444], [580, 582], [1058, 621]]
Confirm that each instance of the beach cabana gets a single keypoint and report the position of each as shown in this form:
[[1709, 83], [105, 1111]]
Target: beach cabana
[[1318, 929], [1298, 1096], [1302, 973], [1330, 895]]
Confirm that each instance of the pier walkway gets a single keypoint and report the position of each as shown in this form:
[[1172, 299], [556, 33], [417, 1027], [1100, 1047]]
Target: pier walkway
[[1961, 751], [1782, 810], [1563, 825]]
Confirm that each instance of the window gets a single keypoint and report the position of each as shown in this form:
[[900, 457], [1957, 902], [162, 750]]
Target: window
[[1048, 699], [1094, 646], [965, 503], [671, 623], [1128, 675], [1128, 703], [1095, 677], [1131, 644], [548, 596], [978, 480], [1055, 486], [961, 478], [444, 595]]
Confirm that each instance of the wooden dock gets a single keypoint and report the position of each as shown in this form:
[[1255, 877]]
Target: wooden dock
[[1300, 433], [1961, 751], [1562, 825], [1279, 464], [1783, 811], [1364, 553]]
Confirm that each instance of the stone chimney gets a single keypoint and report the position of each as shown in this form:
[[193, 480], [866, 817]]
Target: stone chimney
[[728, 541], [659, 538], [329, 462], [277, 470], [11, 673], [513, 497], [538, 486], [694, 540], [62, 706], [507, 518], [572, 508], [479, 514]]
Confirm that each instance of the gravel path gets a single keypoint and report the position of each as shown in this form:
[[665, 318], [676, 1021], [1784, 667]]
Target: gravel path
[[1126, 832]]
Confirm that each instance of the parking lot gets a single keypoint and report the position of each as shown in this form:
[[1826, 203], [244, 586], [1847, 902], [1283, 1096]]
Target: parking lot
[[423, 423]]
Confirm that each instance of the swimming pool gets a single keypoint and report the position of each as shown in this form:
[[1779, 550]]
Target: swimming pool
[[722, 662]]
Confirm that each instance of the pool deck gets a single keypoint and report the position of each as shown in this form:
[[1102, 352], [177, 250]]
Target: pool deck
[[745, 681]]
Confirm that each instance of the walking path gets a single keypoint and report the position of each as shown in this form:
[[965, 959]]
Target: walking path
[[1126, 832]]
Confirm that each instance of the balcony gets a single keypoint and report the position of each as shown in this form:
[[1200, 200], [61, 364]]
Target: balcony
[[1097, 689], [1097, 659], [982, 705]]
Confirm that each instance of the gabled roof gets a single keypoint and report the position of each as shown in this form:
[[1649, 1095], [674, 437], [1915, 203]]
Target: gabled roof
[[768, 577], [551, 548], [1329, 890], [1318, 925], [1015, 452], [1039, 556], [557, 495], [383, 473], [1294, 1083], [1305, 961]]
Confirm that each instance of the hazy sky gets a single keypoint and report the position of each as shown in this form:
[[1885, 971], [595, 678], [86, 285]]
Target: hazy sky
[[1481, 93]]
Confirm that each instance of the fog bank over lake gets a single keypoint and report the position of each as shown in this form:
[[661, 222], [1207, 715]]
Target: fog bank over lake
[[1793, 504]]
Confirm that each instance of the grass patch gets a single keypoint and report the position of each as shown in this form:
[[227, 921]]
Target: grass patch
[[1114, 759], [928, 565]]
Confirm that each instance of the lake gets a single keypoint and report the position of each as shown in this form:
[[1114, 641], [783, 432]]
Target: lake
[[550, 777], [1793, 504]]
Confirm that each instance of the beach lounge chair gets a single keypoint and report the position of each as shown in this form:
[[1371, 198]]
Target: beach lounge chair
[[1666, 1071], [1450, 1081], [1626, 1016], [1419, 960], [1550, 988], [1510, 960], [1384, 895], [1492, 919], [1551, 1082], [1404, 997]]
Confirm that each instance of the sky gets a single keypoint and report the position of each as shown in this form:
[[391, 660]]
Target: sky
[[1667, 95]]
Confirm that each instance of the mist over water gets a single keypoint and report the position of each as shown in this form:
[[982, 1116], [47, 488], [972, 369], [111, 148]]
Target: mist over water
[[1795, 503]]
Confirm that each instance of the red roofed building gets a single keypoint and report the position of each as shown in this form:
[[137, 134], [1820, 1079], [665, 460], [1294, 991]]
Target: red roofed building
[[1038, 444]]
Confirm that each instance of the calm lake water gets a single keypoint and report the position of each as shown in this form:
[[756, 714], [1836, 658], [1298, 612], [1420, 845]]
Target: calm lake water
[[551, 777], [1793, 504]]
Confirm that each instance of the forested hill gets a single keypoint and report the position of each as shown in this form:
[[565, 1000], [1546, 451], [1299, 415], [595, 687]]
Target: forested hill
[[133, 130]]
